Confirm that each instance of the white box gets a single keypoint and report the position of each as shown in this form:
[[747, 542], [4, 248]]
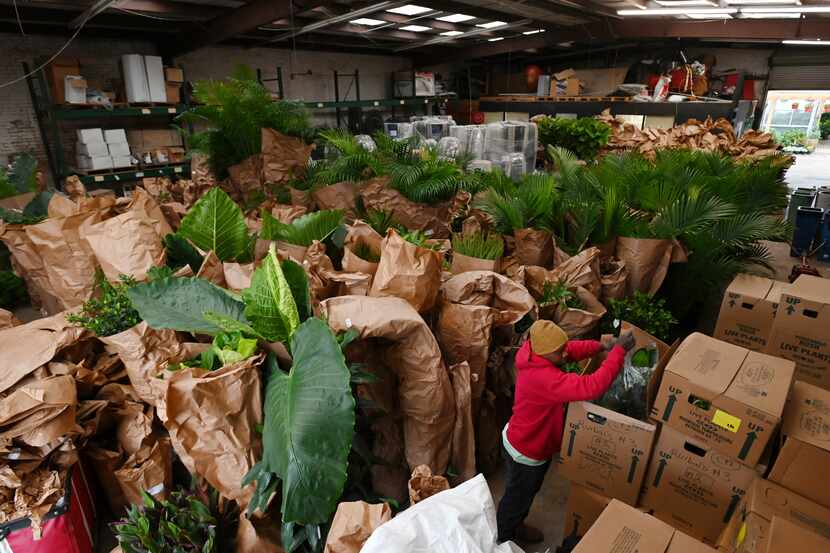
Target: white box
[[74, 87], [118, 149], [94, 163], [93, 149], [135, 78], [155, 78], [89, 136], [114, 135], [121, 161]]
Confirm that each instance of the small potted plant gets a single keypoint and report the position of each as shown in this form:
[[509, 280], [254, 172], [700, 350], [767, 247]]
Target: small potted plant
[[476, 252]]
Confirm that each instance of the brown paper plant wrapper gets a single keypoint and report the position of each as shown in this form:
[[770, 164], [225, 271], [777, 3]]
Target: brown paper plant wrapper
[[26, 347], [245, 177], [283, 157], [38, 412], [128, 244], [342, 195], [28, 264], [8, 320], [407, 271], [258, 535], [463, 263], [148, 470], [360, 233], [435, 218], [352, 525], [534, 247], [463, 454], [614, 280], [287, 213], [579, 322], [582, 270], [212, 418], [29, 493], [423, 484], [424, 390], [648, 261]]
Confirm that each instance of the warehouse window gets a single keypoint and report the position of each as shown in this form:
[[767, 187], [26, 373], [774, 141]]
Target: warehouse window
[[795, 110]]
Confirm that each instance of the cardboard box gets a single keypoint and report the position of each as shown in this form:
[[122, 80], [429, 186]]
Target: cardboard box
[[807, 415], [149, 139], [787, 537], [118, 149], [566, 87], [176, 154], [748, 310], [795, 469], [89, 136], [729, 398], [623, 529], [695, 489], [605, 451], [582, 510], [801, 331], [55, 73], [115, 136], [173, 75], [119, 162], [173, 93], [92, 149], [96, 163], [74, 89], [749, 531], [155, 78], [135, 78]]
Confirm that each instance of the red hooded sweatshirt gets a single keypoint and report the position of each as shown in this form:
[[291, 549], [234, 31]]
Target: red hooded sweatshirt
[[542, 389]]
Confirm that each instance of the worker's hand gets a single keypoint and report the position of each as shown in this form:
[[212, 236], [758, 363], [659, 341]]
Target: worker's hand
[[626, 340], [608, 342]]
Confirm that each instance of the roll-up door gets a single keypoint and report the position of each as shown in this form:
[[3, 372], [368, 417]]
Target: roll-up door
[[800, 71]]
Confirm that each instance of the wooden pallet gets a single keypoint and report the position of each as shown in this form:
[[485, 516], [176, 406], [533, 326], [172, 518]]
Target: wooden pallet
[[512, 99]]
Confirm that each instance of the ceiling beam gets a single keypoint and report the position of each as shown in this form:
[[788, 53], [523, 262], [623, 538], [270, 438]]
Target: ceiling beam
[[341, 18], [539, 11], [97, 7], [443, 39], [587, 5]]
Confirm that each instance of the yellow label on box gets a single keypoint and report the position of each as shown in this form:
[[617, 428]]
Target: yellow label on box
[[727, 421], [741, 535]]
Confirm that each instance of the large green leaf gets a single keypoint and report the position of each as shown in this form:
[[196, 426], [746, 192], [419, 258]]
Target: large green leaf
[[180, 252], [269, 304], [309, 425], [180, 304], [215, 223], [304, 230], [298, 282]]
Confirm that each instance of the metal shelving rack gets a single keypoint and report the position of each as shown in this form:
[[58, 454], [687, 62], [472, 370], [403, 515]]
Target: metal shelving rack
[[50, 116]]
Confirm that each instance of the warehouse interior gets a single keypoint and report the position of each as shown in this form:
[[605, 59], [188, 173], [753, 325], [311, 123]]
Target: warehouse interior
[[343, 276]]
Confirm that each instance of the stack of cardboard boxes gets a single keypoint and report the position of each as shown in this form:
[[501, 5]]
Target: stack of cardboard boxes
[[173, 80], [156, 146], [98, 149], [66, 84]]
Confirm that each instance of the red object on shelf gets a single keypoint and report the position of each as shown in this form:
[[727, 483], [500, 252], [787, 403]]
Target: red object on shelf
[[478, 118], [748, 92], [67, 528]]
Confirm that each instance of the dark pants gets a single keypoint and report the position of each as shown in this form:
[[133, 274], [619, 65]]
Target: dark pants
[[522, 483]]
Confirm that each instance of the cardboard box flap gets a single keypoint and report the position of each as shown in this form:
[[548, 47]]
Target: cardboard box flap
[[611, 419], [621, 528], [564, 74], [807, 415], [785, 536], [643, 338], [794, 470], [707, 362], [811, 288], [750, 286], [767, 500], [778, 288], [682, 543], [763, 382]]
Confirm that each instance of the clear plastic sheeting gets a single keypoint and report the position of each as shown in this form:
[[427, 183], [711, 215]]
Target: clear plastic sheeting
[[505, 142], [366, 141], [471, 139], [434, 128], [460, 520], [399, 130], [480, 165], [449, 147], [628, 393]]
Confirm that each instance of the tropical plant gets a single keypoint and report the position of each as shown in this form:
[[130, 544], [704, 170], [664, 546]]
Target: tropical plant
[[420, 239], [790, 138], [302, 231], [110, 313], [646, 312], [21, 178], [235, 111], [556, 295], [585, 136], [381, 221], [366, 252], [351, 162], [824, 125], [216, 223], [12, 290], [181, 524], [479, 245], [227, 348], [529, 204], [180, 253]]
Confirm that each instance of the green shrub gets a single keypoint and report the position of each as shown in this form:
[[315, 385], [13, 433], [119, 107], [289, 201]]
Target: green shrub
[[646, 312], [585, 137], [824, 126], [112, 312], [479, 245], [791, 138]]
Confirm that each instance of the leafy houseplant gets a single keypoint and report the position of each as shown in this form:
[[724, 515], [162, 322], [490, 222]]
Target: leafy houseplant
[[479, 245], [556, 295], [585, 136], [21, 178], [418, 238], [646, 312], [215, 223], [112, 312], [366, 252], [304, 230], [180, 524]]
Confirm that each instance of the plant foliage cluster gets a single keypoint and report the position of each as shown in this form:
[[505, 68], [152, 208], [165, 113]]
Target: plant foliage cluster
[[20, 178], [109, 313], [585, 136], [479, 245], [645, 312]]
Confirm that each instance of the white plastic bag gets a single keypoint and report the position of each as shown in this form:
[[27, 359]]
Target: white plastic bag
[[460, 520]]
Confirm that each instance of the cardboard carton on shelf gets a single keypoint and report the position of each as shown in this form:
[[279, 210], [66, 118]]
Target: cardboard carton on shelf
[[92, 149], [56, 71], [118, 149], [565, 83], [173, 75], [97, 163], [749, 530], [74, 89], [623, 529], [148, 139], [114, 136], [801, 331], [605, 451], [582, 510], [748, 310], [173, 93], [89, 136], [787, 537], [725, 396], [695, 489]]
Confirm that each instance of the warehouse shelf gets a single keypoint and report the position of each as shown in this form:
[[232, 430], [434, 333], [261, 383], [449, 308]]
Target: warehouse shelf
[[67, 113], [386, 103], [119, 177]]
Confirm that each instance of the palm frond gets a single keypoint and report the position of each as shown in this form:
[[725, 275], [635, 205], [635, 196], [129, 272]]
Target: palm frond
[[304, 230]]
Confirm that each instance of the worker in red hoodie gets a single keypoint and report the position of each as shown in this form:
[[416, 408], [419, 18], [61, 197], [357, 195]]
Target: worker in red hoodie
[[534, 433]]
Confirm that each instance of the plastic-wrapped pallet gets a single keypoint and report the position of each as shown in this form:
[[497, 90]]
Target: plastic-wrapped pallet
[[435, 128], [449, 147], [471, 138], [366, 141], [504, 139], [399, 131]]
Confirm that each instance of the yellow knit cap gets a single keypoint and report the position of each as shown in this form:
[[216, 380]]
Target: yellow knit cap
[[546, 337]]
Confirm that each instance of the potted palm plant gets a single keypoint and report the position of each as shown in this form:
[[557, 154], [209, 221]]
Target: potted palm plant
[[476, 252]]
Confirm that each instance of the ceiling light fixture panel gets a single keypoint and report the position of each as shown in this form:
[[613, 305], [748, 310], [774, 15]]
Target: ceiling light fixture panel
[[533, 32], [498, 38], [455, 18], [757, 2], [410, 9], [366, 21], [491, 24], [678, 3], [416, 28], [817, 42], [677, 11], [452, 33], [768, 15]]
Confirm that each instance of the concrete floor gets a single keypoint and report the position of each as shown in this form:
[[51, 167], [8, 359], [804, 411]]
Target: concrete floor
[[811, 170]]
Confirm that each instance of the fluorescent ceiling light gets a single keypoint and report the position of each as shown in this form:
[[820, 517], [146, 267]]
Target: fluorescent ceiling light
[[533, 32], [674, 3], [756, 2], [455, 18], [410, 9], [452, 33], [678, 11], [491, 24], [367, 21], [498, 38], [415, 28], [768, 15], [792, 9], [708, 16], [807, 42]]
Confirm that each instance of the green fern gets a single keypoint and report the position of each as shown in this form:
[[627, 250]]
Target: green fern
[[479, 245], [304, 230]]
